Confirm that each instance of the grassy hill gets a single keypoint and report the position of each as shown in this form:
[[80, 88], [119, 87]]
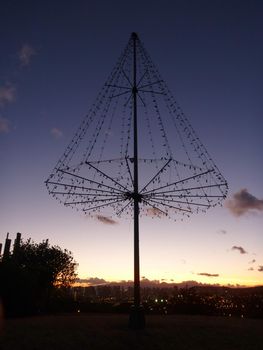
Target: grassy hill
[[106, 331]]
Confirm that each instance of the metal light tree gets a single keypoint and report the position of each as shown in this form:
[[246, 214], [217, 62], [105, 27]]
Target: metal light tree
[[135, 153]]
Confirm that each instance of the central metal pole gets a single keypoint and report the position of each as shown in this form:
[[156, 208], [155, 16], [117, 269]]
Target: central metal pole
[[136, 201], [137, 315]]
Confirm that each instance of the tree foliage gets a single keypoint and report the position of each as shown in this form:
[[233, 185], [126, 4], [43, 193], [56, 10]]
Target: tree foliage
[[51, 265], [31, 276]]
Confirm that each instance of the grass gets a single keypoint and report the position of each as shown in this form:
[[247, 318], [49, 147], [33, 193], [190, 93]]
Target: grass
[[105, 331]]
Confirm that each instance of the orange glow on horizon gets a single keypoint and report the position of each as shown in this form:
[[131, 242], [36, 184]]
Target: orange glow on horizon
[[222, 282]]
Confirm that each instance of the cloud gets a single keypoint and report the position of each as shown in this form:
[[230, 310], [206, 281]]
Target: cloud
[[240, 249], [7, 94], [260, 268], [208, 274], [252, 261], [222, 232], [57, 133], [243, 202], [4, 125], [94, 281], [251, 269], [154, 212], [25, 54], [106, 220]]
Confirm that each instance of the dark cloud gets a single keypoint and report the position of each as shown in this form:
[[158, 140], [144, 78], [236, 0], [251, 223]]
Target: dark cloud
[[106, 220], [208, 274], [252, 261], [240, 249], [222, 232], [260, 268], [243, 202]]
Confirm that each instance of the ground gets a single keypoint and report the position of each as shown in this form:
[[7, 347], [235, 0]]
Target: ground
[[99, 331]]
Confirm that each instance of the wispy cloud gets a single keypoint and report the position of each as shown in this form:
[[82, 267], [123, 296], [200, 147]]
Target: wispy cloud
[[57, 133], [4, 125], [241, 250], [25, 54], [208, 274], [251, 269], [252, 261], [244, 202], [106, 220], [7, 94], [260, 268]]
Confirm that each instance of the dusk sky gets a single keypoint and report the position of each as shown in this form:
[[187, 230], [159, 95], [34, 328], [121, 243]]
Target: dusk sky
[[56, 56]]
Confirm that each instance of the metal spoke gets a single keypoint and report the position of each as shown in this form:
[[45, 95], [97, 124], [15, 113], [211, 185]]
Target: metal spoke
[[159, 195], [170, 206], [185, 189], [90, 201], [81, 187], [153, 92], [91, 181], [155, 176], [141, 78], [150, 84], [122, 93], [122, 210], [182, 202], [110, 178], [120, 87], [127, 78], [103, 205], [86, 194], [181, 181]]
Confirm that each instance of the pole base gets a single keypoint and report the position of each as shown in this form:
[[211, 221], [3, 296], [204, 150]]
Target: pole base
[[137, 318]]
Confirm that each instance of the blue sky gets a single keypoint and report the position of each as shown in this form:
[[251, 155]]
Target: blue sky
[[56, 57]]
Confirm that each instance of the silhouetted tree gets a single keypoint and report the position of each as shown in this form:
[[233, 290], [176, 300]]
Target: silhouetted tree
[[31, 276]]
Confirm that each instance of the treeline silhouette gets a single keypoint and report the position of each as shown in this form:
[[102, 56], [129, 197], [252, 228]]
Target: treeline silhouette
[[34, 277]]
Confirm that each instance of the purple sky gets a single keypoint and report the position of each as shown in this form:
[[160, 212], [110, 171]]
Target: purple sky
[[55, 57]]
